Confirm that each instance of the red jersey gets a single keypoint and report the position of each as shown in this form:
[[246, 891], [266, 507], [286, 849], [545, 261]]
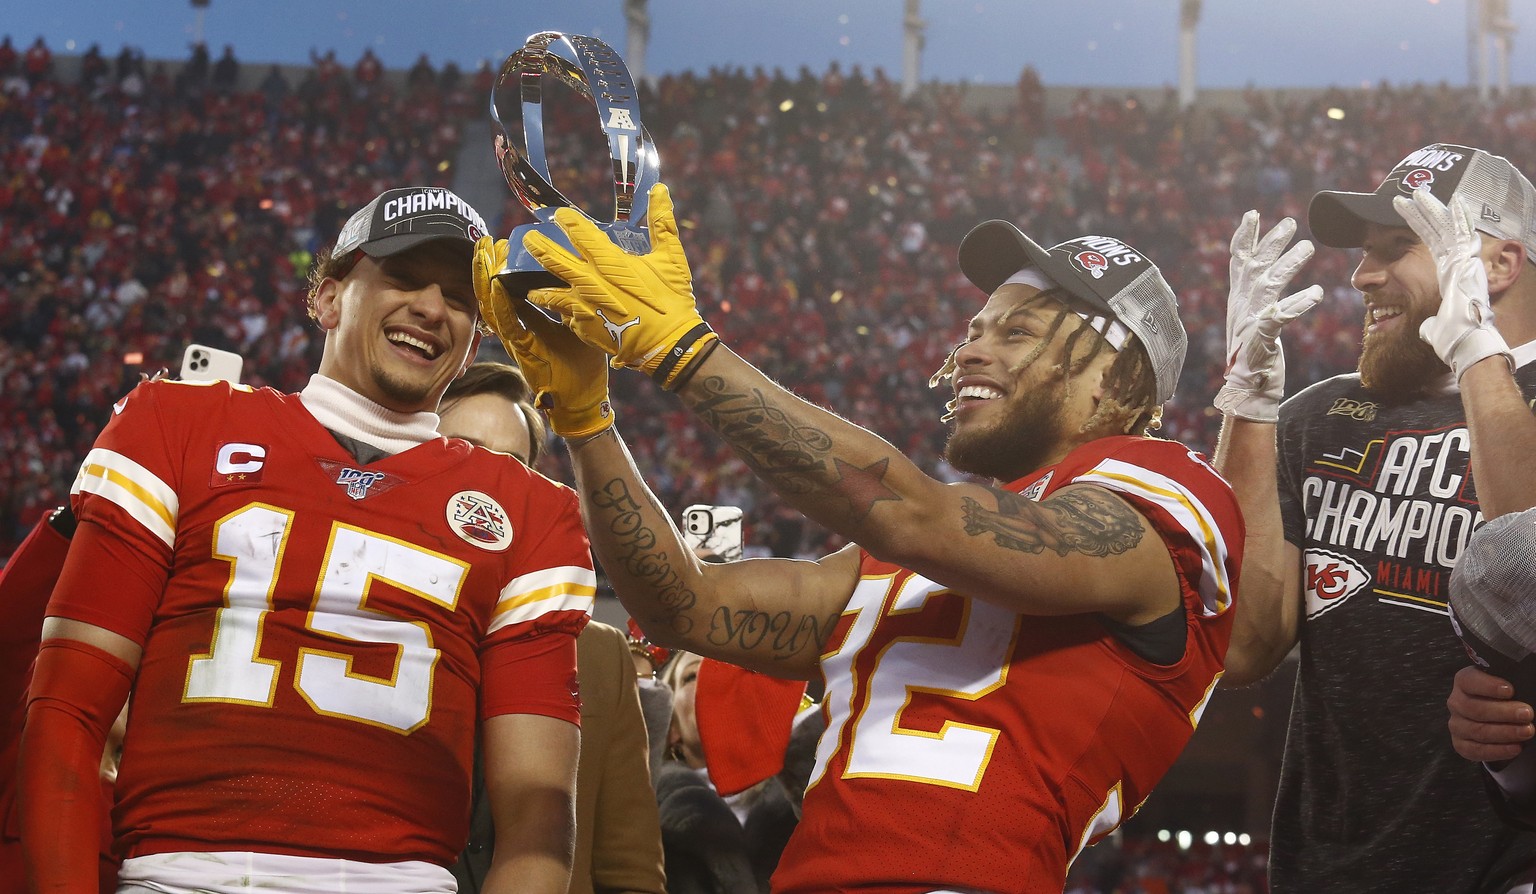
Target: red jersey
[[970, 747], [316, 631]]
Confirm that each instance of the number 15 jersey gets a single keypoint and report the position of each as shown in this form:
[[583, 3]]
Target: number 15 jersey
[[970, 747], [317, 632]]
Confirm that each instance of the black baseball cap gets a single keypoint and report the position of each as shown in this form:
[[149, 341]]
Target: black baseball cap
[[1502, 200], [403, 218], [1101, 271]]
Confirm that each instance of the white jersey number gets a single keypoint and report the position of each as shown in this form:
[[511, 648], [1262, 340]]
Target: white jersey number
[[252, 540], [966, 666]]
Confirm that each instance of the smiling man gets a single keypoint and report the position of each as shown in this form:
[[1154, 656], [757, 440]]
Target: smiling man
[[1009, 667], [316, 601], [1361, 493]]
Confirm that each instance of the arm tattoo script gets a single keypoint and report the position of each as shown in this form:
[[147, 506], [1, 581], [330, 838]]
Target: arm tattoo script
[[789, 456], [784, 634], [1086, 521], [641, 556], [792, 457]]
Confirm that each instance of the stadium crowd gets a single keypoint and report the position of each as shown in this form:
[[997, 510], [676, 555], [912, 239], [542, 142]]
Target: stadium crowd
[[142, 210], [145, 205]]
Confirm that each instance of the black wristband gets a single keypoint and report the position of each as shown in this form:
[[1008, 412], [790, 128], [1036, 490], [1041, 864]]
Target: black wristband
[[678, 352], [63, 520], [686, 373]]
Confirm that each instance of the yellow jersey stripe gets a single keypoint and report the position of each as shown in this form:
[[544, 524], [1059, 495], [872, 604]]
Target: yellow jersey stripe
[[133, 488], [528, 611], [545, 578], [565, 589], [527, 596], [1215, 587]]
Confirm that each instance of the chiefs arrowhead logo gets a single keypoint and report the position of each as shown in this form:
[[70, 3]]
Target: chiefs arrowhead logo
[[1091, 262], [1329, 580]]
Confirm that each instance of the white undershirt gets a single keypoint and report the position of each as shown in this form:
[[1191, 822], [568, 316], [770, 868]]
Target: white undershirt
[[242, 872], [348, 413]]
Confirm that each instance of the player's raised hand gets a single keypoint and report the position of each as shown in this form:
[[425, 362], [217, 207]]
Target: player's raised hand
[[1261, 268], [569, 379], [1462, 331], [639, 309], [495, 304], [1487, 724]]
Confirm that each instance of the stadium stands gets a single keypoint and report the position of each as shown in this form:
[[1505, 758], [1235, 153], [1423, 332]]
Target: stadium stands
[[141, 211]]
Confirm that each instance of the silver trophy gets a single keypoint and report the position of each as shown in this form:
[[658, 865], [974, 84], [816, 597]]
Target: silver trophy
[[592, 69]]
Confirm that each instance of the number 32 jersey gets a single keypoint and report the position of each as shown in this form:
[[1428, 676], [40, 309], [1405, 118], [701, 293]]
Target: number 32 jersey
[[972, 748], [319, 635]]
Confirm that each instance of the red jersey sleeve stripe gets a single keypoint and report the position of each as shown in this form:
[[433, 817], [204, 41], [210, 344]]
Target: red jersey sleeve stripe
[[133, 488], [528, 596], [1187, 511]]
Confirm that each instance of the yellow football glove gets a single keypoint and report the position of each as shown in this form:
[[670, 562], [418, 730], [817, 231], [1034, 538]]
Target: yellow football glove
[[637, 308], [569, 379]]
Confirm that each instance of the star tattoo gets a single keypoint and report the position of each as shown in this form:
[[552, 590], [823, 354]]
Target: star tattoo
[[863, 487]]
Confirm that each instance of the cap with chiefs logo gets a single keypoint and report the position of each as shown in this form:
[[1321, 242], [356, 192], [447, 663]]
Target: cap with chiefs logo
[[403, 218], [1501, 199], [1101, 271]]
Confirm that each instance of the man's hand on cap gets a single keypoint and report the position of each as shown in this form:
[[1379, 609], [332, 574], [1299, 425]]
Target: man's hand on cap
[[1462, 331]]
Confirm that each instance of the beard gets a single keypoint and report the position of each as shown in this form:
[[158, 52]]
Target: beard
[[1398, 363], [1014, 445], [404, 391]]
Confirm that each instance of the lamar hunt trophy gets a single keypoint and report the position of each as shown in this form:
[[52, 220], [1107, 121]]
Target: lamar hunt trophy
[[592, 69]]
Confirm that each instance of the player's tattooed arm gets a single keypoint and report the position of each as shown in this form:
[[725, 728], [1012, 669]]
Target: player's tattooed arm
[[631, 547], [777, 635], [788, 454], [784, 441], [771, 615], [1081, 520]]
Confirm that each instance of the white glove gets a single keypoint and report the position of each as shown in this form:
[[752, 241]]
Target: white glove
[[1462, 332], [1255, 314]]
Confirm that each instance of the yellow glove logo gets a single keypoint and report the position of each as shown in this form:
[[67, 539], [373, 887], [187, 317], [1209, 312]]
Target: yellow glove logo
[[615, 331], [568, 378], [653, 292]]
